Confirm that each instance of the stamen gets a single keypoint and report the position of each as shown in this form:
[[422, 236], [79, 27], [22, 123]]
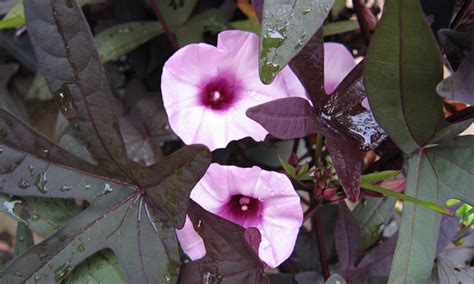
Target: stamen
[[216, 95], [244, 207]]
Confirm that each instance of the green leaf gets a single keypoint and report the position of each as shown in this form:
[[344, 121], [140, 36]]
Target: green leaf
[[14, 18], [435, 175], [24, 236], [48, 215], [408, 198], [287, 26], [118, 40], [192, 31], [112, 43], [247, 25], [373, 215], [289, 169], [378, 176], [340, 27], [102, 267], [402, 69]]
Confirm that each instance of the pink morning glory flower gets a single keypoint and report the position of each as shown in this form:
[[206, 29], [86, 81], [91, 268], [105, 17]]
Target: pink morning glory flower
[[250, 197], [338, 62], [206, 90]]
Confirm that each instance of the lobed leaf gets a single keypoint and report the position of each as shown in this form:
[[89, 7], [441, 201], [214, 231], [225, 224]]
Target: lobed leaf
[[285, 122], [112, 43], [435, 175], [70, 63], [400, 80]]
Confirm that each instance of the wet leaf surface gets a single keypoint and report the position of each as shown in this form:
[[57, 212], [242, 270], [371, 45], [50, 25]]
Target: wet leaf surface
[[119, 215], [287, 26]]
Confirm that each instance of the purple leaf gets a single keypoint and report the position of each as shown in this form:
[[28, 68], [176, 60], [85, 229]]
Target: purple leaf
[[145, 129], [131, 209], [70, 63], [347, 237], [346, 157], [170, 190], [229, 256], [376, 262], [283, 121], [448, 229], [460, 86], [308, 66]]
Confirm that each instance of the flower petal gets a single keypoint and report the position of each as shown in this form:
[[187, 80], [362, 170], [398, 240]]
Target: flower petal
[[190, 241], [282, 212], [338, 62]]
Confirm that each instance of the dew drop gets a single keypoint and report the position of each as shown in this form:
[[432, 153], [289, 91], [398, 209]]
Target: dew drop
[[65, 102], [107, 189], [40, 183], [31, 169], [65, 188], [62, 272], [123, 30], [1, 151], [87, 187], [81, 248], [37, 278], [23, 184]]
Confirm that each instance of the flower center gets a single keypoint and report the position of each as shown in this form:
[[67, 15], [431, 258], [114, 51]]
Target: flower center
[[219, 93], [243, 210]]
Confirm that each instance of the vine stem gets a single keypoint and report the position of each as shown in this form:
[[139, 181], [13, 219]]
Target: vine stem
[[460, 15], [364, 27], [169, 33], [322, 252]]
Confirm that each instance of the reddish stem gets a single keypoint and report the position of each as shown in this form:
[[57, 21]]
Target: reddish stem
[[322, 252], [364, 25], [169, 33]]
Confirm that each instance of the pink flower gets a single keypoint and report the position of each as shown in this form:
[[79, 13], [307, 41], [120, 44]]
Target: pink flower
[[250, 197], [338, 62], [206, 90]]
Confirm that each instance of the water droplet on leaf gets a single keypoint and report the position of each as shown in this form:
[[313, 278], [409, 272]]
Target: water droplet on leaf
[[62, 272], [65, 102]]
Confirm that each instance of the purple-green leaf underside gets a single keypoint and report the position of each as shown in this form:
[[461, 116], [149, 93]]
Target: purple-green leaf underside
[[437, 174], [286, 118], [400, 80]]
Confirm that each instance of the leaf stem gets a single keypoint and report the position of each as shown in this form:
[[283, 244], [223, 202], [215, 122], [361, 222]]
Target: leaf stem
[[319, 148], [427, 204], [460, 15], [169, 33], [322, 252], [364, 26]]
